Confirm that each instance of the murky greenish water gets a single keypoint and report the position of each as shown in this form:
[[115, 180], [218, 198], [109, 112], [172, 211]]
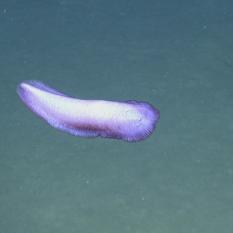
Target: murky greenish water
[[176, 55]]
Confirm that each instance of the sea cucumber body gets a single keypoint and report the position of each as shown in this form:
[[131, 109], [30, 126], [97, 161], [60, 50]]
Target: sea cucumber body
[[128, 120]]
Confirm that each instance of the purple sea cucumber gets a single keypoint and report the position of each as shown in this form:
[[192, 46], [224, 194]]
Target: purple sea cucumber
[[128, 120]]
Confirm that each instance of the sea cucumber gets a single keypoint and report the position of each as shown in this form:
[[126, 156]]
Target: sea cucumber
[[127, 120]]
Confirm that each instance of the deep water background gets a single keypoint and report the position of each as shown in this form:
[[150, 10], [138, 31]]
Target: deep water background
[[177, 55]]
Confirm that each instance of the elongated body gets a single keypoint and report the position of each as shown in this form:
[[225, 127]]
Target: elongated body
[[128, 120]]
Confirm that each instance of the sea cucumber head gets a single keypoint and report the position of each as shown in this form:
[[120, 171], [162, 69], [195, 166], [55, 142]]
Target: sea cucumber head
[[142, 124]]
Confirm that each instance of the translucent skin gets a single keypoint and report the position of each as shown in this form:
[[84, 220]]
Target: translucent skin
[[128, 120]]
